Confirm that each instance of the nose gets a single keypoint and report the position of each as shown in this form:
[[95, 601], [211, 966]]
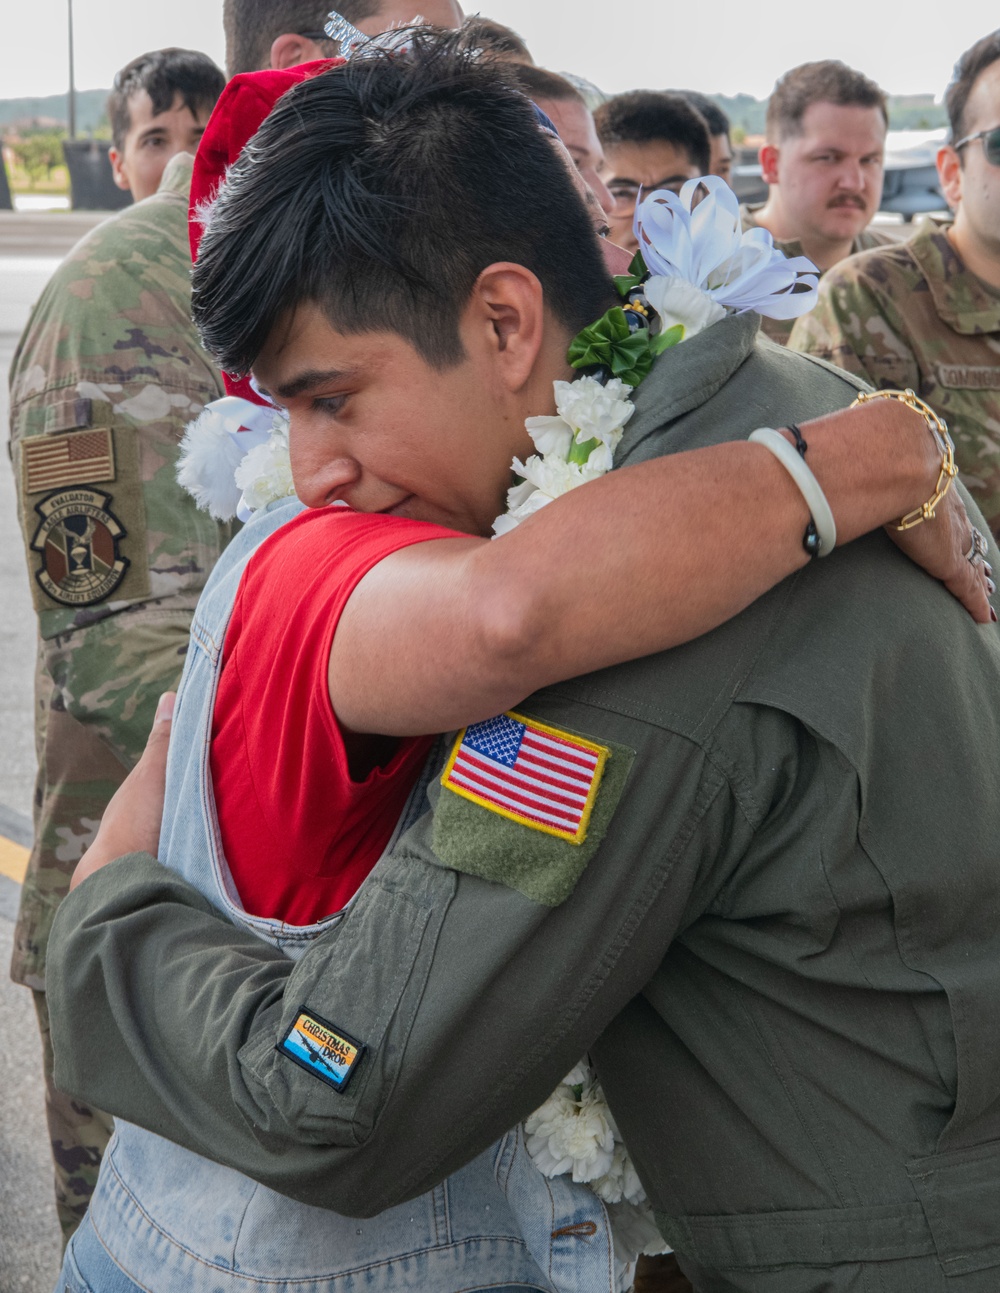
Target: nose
[[600, 190], [323, 473], [851, 176]]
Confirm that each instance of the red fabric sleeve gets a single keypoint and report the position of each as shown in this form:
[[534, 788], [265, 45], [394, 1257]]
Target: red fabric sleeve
[[299, 835]]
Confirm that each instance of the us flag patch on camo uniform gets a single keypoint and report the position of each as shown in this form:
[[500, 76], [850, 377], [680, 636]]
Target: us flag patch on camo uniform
[[536, 775]]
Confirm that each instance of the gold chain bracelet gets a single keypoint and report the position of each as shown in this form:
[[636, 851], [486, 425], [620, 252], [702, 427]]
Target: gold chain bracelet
[[939, 430]]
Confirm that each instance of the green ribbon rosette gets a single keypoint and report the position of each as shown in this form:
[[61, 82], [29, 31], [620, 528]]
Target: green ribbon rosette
[[611, 344]]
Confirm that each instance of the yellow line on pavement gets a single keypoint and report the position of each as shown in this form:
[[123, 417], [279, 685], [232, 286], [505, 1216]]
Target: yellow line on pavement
[[13, 860]]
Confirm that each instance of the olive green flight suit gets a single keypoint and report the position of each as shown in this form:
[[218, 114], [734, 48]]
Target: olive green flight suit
[[779, 938]]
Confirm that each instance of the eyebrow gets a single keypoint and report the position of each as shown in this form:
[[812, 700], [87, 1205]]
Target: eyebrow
[[637, 184], [309, 381]]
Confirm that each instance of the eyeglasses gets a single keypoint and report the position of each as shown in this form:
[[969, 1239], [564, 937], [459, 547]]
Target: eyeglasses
[[313, 35], [991, 144]]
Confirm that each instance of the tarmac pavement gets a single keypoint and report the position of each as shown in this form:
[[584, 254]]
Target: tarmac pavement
[[30, 1242]]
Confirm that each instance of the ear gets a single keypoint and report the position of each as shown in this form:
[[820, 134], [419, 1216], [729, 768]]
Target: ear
[[504, 322], [290, 49], [949, 166], [769, 155], [118, 168]]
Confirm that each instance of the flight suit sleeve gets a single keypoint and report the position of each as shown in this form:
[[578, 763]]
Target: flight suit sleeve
[[453, 997], [856, 326]]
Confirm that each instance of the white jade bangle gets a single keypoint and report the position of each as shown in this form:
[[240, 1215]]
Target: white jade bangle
[[795, 465]]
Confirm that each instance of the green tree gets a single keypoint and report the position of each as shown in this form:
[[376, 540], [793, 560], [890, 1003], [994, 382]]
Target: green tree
[[39, 154]]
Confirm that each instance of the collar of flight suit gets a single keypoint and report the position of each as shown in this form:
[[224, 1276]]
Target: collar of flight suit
[[961, 300], [687, 375]]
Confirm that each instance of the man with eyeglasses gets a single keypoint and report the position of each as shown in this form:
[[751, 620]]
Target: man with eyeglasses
[[651, 141], [925, 314]]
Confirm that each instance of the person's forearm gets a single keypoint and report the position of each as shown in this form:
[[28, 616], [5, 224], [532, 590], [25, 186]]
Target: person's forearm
[[640, 561]]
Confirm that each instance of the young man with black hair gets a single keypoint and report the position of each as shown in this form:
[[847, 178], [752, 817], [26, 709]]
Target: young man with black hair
[[791, 1002], [285, 33], [159, 106], [926, 313], [107, 374], [651, 140], [721, 161]]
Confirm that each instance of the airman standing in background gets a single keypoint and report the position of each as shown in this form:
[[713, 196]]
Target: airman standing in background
[[823, 160], [106, 376], [926, 313]]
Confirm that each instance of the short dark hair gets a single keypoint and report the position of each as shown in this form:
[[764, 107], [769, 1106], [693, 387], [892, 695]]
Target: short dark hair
[[252, 26], [538, 83], [642, 116], [715, 118], [163, 74], [967, 71], [380, 190], [828, 81], [494, 38]]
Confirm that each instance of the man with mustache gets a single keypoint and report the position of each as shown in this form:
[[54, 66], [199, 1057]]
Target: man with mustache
[[826, 128], [926, 313]]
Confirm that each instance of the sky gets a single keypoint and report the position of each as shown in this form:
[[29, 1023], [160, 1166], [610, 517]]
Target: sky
[[719, 46]]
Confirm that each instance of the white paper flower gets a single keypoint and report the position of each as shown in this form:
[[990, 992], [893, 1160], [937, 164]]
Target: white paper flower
[[676, 300], [703, 243], [265, 474], [213, 447]]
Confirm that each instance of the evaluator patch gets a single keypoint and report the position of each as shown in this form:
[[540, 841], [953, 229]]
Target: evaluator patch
[[322, 1049]]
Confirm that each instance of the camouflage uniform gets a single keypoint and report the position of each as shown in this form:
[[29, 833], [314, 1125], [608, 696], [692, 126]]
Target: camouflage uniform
[[106, 376], [779, 330], [912, 315]]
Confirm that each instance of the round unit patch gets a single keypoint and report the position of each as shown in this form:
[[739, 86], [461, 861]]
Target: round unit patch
[[78, 539]]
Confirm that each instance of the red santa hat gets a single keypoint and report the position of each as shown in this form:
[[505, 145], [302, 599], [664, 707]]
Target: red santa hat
[[244, 104]]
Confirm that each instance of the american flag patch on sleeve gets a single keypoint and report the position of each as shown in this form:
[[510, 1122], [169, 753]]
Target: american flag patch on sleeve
[[79, 458], [533, 774]]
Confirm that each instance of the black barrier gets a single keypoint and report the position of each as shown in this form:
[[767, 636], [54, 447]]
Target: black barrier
[[90, 178], [6, 201]]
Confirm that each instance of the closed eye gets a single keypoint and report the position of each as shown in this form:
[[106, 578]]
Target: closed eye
[[331, 404]]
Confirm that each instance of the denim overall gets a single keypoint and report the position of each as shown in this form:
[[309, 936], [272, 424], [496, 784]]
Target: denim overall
[[173, 1222]]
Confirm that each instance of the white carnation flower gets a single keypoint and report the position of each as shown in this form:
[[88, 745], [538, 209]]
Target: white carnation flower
[[593, 410], [550, 435], [634, 1230], [573, 1135], [554, 477]]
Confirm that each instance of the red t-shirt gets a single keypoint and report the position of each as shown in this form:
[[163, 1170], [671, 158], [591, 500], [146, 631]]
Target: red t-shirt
[[299, 835]]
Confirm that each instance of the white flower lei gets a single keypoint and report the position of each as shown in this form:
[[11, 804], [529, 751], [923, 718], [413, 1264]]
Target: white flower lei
[[701, 267]]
